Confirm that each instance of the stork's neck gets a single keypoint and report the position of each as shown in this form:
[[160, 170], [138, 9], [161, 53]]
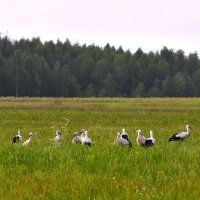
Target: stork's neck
[[118, 135], [188, 129], [86, 134], [139, 133], [30, 138]]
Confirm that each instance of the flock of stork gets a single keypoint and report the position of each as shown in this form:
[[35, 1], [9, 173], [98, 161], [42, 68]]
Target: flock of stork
[[122, 138]]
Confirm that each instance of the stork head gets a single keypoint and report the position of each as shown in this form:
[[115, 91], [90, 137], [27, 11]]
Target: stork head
[[75, 133], [139, 131], [188, 127], [118, 135], [151, 133], [82, 132], [58, 132], [30, 134]]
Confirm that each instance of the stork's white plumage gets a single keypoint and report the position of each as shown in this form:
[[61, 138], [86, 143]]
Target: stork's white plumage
[[182, 135], [58, 137], [17, 138], [85, 140], [82, 134], [29, 140], [76, 138], [150, 141], [140, 138], [122, 141], [124, 134]]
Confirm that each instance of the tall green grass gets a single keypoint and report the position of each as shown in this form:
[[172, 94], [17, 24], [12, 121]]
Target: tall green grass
[[105, 171]]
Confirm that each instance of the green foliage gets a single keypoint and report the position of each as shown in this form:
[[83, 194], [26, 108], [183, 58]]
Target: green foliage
[[61, 69]]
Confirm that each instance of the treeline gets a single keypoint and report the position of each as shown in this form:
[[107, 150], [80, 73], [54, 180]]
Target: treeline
[[61, 69]]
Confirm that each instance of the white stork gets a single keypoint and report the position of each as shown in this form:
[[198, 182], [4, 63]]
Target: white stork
[[123, 141], [140, 138], [124, 134], [76, 138], [150, 141], [85, 140], [182, 135], [29, 140], [58, 137], [17, 138]]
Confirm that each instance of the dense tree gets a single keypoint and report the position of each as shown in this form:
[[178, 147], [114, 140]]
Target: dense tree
[[154, 91], [55, 69], [197, 83], [182, 85], [139, 90], [168, 55], [167, 87], [109, 86]]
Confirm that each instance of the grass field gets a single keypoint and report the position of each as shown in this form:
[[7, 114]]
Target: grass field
[[104, 171]]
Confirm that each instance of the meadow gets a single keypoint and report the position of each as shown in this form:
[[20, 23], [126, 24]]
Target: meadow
[[104, 171]]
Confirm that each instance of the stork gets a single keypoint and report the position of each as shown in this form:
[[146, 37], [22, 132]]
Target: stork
[[140, 138], [17, 138], [85, 140], [124, 134], [150, 141], [58, 137], [182, 135], [123, 141], [76, 138], [29, 140]]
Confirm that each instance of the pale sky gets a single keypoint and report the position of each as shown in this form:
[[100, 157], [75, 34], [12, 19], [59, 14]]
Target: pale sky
[[148, 24]]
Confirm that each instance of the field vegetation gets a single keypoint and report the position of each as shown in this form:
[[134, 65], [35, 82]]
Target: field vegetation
[[105, 171]]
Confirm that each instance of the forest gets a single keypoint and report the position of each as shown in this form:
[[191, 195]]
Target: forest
[[61, 69]]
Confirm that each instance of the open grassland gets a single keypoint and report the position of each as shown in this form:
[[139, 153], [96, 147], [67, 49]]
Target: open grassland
[[104, 171]]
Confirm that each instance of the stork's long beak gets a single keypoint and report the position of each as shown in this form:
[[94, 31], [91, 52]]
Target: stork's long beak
[[82, 131], [59, 133]]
